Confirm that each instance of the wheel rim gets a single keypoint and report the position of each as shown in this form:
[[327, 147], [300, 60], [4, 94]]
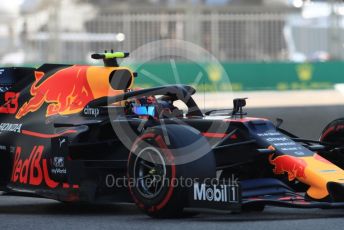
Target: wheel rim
[[149, 172]]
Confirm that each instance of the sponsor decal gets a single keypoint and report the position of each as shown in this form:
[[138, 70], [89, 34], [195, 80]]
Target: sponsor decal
[[295, 167], [8, 127], [284, 144], [62, 141], [304, 72], [11, 103], [91, 111], [328, 171], [269, 134], [273, 139], [215, 193], [33, 170], [291, 149], [59, 164], [67, 91], [59, 171], [12, 149], [214, 73]]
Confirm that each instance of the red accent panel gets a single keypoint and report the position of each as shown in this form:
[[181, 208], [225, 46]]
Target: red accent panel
[[43, 135], [234, 136], [214, 135], [65, 185], [320, 158], [76, 186], [245, 119]]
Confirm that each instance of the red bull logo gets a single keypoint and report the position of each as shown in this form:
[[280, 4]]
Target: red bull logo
[[33, 171], [67, 91], [295, 167]]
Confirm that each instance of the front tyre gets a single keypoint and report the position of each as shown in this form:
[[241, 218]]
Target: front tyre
[[333, 134], [157, 184]]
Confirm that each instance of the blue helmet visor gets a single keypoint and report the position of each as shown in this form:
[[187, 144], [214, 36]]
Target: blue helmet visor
[[144, 110]]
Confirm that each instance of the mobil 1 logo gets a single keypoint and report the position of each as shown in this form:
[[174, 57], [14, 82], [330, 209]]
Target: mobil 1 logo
[[222, 196]]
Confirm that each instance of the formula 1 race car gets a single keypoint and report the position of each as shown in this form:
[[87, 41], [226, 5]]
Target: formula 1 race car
[[83, 134]]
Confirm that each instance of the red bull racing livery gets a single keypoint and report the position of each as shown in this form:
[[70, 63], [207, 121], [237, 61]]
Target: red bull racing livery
[[77, 133]]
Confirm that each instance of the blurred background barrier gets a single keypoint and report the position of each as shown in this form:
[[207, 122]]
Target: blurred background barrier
[[262, 45], [245, 76], [36, 31]]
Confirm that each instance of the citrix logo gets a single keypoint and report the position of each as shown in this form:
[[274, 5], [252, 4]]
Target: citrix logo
[[210, 193], [91, 111]]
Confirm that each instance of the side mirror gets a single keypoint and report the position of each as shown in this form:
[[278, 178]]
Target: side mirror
[[238, 104], [279, 122]]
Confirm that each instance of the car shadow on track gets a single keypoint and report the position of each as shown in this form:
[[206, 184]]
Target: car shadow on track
[[48, 207], [34, 206], [274, 214]]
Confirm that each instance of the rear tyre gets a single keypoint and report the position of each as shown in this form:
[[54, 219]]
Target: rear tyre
[[155, 180]]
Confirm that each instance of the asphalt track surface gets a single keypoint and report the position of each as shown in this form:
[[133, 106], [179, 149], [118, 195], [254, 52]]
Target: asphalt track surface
[[34, 213]]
